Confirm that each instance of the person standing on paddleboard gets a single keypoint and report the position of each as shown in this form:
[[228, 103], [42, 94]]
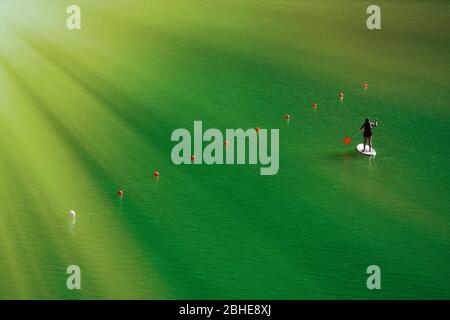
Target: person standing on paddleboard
[[367, 127]]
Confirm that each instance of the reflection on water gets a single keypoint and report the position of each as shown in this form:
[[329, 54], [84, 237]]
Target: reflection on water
[[371, 165], [72, 223]]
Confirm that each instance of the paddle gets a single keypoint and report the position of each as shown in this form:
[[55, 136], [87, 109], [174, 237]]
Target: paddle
[[349, 139]]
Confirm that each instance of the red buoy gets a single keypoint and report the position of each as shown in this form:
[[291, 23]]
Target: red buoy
[[341, 95], [226, 142], [192, 157], [156, 174], [287, 117], [257, 129], [314, 105], [347, 140], [120, 193]]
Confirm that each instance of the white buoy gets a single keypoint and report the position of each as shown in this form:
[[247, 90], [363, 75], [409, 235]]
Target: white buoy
[[72, 214]]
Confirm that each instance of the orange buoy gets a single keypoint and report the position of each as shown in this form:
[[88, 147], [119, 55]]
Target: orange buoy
[[257, 129], [365, 86]]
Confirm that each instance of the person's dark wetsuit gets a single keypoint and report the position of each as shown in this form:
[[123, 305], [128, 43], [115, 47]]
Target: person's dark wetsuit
[[367, 126]]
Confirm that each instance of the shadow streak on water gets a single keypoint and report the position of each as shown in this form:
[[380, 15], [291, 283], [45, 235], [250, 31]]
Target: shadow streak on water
[[350, 163], [341, 156], [101, 175]]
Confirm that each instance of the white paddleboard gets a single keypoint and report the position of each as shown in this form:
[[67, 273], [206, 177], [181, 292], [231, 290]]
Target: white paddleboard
[[367, 151]]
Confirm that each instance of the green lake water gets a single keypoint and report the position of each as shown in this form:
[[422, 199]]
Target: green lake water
[[88, 112]]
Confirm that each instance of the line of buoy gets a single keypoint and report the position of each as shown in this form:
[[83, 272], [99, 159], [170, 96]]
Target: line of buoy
[[287, 117]]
